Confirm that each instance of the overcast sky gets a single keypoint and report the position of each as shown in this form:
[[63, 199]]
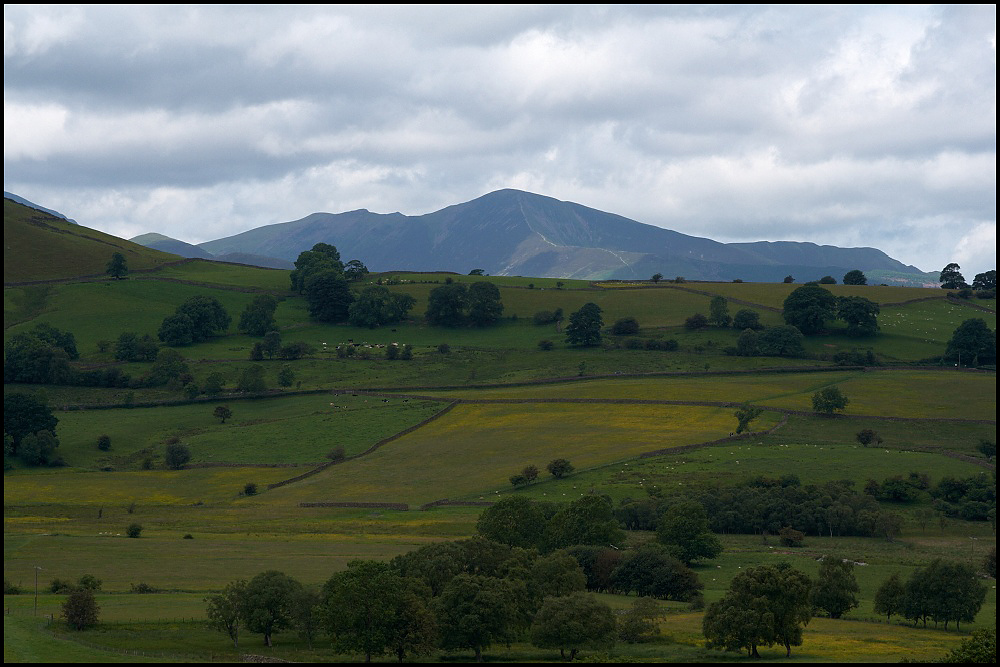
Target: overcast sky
[[851, 126]]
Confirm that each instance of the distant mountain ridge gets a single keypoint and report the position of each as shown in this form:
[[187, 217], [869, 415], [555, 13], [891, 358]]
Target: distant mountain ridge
[[24, 202], [511, 232]]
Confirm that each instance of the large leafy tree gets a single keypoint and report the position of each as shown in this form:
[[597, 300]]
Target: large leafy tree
[[376, 306], [836, 590], [861, 315], [476, 612], [829, 400], [855, 277], [81, 609], [719, 312], [684, 529], [208, 317], [585, 326], [974, 341], [586, 520], [268, 603], [652, 570], [359, 607], [985, 281], [117, 267], [764, 606], [258, 317], [24, 414], [951, 277], [781, 341], [225, 610], [513, 520], [322, 257], [485, 307], [889, 597], [573, 622], [807, 307], [446, 305], [328, 295]]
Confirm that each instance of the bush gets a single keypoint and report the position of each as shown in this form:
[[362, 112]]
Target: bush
[[626, 326], [61, 586], [790, 537], [444, 348], [177, 455], [9, 588], [250, 489], [89, 582], [80, 609], [696, 321], [868, 437], [545, 345], [134, 530], [337, 454], [143, 588], [104, 442], [188, 536]]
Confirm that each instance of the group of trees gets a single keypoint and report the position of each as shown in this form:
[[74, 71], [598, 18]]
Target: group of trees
[[942, 591], [454, 304], [469, 595], [952, 278], [196, 320], [29, 430], [808, 307]]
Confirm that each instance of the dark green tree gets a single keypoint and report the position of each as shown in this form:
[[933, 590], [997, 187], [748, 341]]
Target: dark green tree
[[807, 307], [286, 376], [827, 280], [359, 607], [81, 609], [176, 455], [447, 305], [251, 379], [24, 414], [485, 306], [514, 520], [585, 326], [355, 270], [829, 400], [554, 575], [322, 257], [208, 317], [176, 330], [889, 597], [641, 621], [133, 347], [39, 448], [474, 612], [328, 295], [836, 590], [781, 341], [652, 570], [745, 414], [861, 315], [586, 520], [222, 413], [267, 603], [117, 267], [572, 622], [981, 647], [747, 319], [974, 341], [271, 344], [695, 322], [258, 317], [169, 366], [559, 468], [718, 313], [985, 281], [951, 277], [765, 605], [225, 610], [376, 306], [684, 529], [626, 326], [855, 277], [656, 277]]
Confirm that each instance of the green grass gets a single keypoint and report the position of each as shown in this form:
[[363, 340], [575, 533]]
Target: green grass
[[218, 273]]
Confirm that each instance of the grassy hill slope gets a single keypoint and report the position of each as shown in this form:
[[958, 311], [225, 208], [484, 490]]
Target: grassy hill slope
[[39, 246]]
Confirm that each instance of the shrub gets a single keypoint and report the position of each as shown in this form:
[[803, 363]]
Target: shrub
[[545, 345], [188, 536], [444, 348], [626, 326], [80, 609], [134, 530], [61, 586], [868, 437], [89, 582], [250, 489], [104, 442], [177, 455], [9, 588], [790, 537], [143, 588], [518, 480], [337, 454], [696, 321]]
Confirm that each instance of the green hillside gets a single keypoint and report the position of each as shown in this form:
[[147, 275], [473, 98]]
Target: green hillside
[[367, 457], [39, 246]]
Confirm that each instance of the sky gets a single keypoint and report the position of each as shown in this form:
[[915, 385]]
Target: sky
[[843, 125]]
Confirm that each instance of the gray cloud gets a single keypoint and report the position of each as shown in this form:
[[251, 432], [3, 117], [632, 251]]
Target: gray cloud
[[851, 125]]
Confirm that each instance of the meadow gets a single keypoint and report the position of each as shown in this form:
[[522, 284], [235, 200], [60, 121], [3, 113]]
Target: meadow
[[467, 419]]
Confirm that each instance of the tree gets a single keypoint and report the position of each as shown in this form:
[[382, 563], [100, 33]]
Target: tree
[[355, 270], [559, 468], [684, 528], [177, 455], [117, 267], [626, 326], [868, 437], [765, 605], [781, 341], [359, 607], [827, 280], [271, 343], [475, 612], [861, 315], [376, 306], [747, 319], [446, 305], [328, 295], [656, 277], [718, 313], [788, 280], [745, 414], [555, 574], [258, 317], [208, 317], [322, 257], [24, 414], [652, 570], [981, 647], [585, 326], [132, 347], [225, 610], [104, 442], [943, 591], [251, 379], [477, 272], [268, 603], [485, 307], [214, 383], [514, 520], [951, 278], [530, 473], [222, 413], [573, 622], [286, 376], [39, 448], [975, 341], [807, 307], [695, 322], [587, 520], [836, 590], [169, 366], [985, 281], [81, 609], [855, 277], [889, 597], [829, 400], [641, 621], [133, 530]]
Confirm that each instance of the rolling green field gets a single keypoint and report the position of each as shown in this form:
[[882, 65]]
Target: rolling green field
[[494, 403]]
